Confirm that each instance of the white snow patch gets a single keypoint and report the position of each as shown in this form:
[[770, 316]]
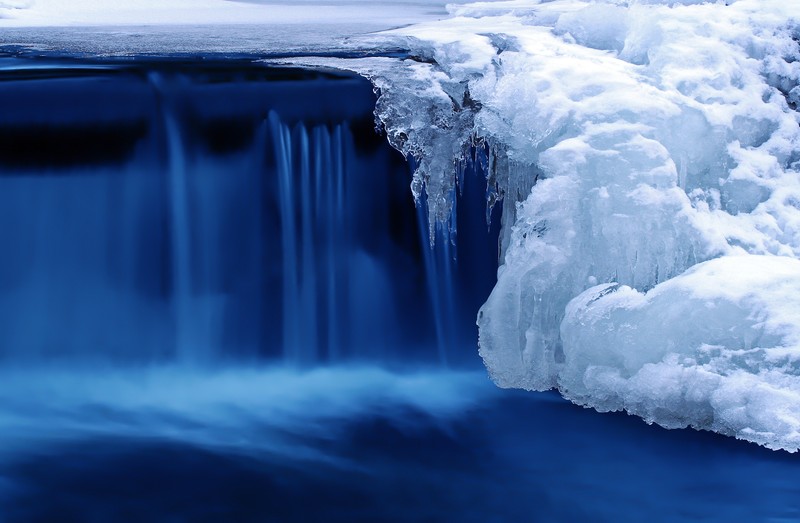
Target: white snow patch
[[60, 13]]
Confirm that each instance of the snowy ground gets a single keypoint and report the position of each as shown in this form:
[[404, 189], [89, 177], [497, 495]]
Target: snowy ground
[[59, 13], [262, 27]]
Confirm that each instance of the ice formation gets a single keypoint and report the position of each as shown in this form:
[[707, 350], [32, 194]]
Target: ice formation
[[652, 151]]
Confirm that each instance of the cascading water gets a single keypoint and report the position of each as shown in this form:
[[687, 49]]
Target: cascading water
[[223, 214], [315, 269], [218, 301]]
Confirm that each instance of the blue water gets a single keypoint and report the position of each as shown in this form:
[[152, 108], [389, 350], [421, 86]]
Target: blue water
[[479, 455], [199, 212], [218, 303]]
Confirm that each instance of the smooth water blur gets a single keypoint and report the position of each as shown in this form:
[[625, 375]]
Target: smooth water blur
[[251, 410], [359, 444], [190, 212], [218, 302]]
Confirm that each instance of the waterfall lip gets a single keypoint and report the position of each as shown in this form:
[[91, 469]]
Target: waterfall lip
[[63, 130], [23, 62]]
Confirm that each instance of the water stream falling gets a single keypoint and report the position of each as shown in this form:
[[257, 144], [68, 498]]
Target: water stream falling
[[315, 267], [218, 301], [219, 213]]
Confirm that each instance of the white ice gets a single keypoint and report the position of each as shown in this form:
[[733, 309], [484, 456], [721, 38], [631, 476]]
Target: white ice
[[648, 153]]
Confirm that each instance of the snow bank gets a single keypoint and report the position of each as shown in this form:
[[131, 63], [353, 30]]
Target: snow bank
[[59, 13], [204, 27], [638, 140]]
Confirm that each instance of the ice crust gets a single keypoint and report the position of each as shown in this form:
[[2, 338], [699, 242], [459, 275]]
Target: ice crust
[[648, 154]]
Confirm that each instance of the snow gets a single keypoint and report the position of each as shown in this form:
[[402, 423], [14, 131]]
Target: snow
[[31, 13], [648, 153], [717, 347], [109, 28]]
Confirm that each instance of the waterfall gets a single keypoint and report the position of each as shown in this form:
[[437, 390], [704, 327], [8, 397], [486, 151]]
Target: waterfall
[[180, 236], [219, 219], [315, 268], [439, 261]]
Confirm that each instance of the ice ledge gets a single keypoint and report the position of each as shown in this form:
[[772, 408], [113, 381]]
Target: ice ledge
[[716, 348], [651, 148]]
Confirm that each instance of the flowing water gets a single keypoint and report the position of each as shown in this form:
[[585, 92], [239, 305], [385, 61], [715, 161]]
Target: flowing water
[[218, 302]]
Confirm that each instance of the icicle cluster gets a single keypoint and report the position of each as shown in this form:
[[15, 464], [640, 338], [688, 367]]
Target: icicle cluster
[[653, 150]]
